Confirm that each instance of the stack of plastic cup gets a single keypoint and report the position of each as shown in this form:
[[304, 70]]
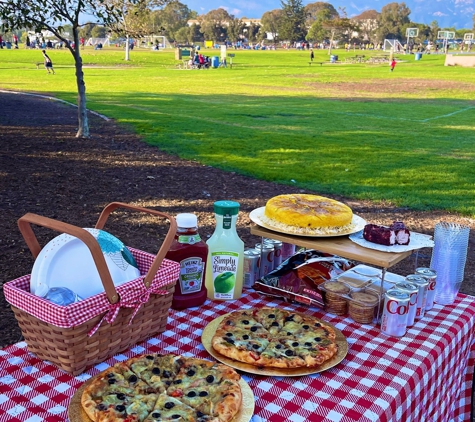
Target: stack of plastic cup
[[448, 260]]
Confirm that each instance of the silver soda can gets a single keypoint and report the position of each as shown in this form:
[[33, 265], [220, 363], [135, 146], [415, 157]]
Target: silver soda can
[[422, 284], [277, 250], [431, 276], [412, 290], [288, 249], [266, 263], [251, 267], [395, 313]]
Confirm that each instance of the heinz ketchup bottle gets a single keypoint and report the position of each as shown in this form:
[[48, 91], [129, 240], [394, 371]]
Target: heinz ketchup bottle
[[191, 253]]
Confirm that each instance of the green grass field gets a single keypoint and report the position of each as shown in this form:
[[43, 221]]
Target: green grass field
[[406, 137]]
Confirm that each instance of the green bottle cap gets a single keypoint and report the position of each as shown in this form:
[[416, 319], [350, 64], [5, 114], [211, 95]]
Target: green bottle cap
[[226, 207]]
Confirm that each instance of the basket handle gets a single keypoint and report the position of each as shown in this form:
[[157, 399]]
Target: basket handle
[[24, 224], [166, 242]]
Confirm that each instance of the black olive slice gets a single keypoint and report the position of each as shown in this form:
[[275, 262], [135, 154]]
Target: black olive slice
[[203, 393], [169, 405], [149, 357], [245, 337], [271, 316], [254, 329], [120, 408], [289, 353], [317, 339], [191, 372], [156, 415], [133, 379], [308, 344], [295, 344], [275, 324], [210, 378], [305, 327], [229, 334], [121, 396], [192, 394], [156, 371]]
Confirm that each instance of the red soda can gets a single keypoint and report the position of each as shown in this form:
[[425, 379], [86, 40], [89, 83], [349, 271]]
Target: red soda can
[[412, 290], [266, 263], [251, 267], [288, 249], [431, 276], [395, 313], [422, 284], [277, 244]]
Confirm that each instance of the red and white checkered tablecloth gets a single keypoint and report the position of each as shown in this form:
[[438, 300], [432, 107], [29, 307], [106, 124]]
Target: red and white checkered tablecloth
[[423, 376]]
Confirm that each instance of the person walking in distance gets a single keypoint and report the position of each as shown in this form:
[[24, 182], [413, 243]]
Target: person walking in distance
[[392, 65], [48, 63], [311, 55]]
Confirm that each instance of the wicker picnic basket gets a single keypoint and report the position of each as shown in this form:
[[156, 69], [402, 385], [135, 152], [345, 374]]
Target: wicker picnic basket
[[80, 335]]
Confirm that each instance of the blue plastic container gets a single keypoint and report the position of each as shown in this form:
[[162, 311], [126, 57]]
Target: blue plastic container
[[418, 56], [215, 61]]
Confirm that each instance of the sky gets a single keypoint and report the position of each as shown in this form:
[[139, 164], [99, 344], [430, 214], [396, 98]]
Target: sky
[[448, 13]]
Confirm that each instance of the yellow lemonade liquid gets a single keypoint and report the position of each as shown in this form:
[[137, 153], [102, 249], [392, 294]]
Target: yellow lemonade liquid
[[224, 269]]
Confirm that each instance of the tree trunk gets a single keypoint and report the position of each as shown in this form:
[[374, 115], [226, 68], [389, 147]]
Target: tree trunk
[[127, 47], [83, 126]]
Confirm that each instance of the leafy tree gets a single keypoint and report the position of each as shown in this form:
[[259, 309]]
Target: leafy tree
[[292, 27], [85, 30], [52, 15], [134, 19], [340, 28], [391, 21], [99, 31], [271, 22], [254, 32], [235, 30], [319, 29], [368, 24], [433, 30], [313, 9], [173, 17], [214, 24]]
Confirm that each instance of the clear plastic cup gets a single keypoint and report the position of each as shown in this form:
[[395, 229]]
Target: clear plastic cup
[[448, 260]]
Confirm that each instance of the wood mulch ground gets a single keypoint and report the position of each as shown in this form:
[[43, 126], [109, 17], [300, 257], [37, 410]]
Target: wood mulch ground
[[46, 170]]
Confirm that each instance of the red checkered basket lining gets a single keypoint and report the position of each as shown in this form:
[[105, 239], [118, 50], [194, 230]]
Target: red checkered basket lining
[[132, 295]]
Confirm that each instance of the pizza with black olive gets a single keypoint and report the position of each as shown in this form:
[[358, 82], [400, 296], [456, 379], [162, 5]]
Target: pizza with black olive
[[275, 338], [155, 388]]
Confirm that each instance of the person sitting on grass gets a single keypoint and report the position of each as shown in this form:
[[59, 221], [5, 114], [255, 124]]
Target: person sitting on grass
[[48, 63]]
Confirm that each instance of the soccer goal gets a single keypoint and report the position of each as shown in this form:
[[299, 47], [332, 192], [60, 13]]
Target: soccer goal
[[154, 40], [95, 41], [393, 45]]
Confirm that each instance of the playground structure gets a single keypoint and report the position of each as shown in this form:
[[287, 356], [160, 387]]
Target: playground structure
[[393, 45]]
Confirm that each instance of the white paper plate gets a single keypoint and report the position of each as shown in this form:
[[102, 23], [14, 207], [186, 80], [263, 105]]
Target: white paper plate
[[256, 216], [66, 261], [416, 241]]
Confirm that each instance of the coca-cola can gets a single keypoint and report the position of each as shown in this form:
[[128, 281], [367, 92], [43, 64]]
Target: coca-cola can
[[266, 263], [288, 249], [422, 284], [395, 313], [412, 290], [431, 276], [277, 244], [251, 267]]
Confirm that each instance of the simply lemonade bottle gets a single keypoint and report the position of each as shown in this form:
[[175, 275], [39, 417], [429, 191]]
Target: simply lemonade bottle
[[224, 270]]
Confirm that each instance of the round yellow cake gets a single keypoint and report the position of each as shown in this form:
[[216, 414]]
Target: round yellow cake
[[308, 211]]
